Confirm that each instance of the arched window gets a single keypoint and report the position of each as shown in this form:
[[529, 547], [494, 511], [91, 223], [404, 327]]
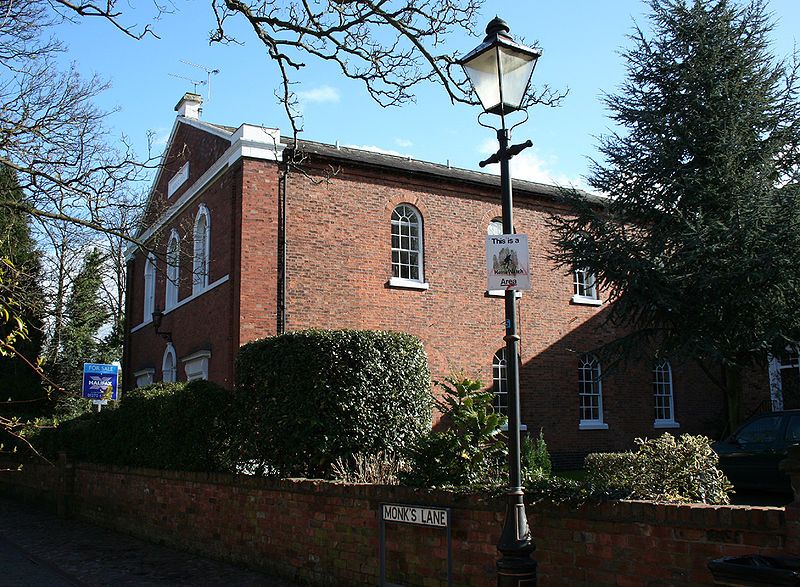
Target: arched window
[[500, 381], [202, 245], [407, 244], [173, 270], [149, 287], [662, 392], [168, 364], [495, 227], [590, 393]]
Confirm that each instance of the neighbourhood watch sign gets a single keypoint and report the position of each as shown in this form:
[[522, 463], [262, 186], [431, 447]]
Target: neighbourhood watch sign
[[507, 262]]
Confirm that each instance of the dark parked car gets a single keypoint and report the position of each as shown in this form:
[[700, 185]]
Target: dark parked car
[[751, 455]]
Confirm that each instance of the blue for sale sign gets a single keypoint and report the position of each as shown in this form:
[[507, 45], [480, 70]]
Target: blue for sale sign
[[100, 381]]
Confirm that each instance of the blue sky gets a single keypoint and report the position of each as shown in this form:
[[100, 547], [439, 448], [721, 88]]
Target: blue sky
[[581, 40]]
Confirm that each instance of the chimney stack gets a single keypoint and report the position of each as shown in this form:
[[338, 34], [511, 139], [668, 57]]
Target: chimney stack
[[190, 106]]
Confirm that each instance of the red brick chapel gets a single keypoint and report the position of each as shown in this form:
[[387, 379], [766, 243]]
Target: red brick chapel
[[243, 245]]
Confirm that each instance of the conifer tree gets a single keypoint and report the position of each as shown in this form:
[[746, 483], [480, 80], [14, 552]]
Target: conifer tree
[[21, 389], [85, 316], [698, 241]]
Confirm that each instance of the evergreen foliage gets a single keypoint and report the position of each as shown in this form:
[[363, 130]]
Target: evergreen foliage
[[174, 426], [306, 399], [471, 450], [666, 468], [20, 384], [85, 316], [698, 241]]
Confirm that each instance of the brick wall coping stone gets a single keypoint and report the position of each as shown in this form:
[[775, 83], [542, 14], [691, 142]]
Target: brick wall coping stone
[[662, 513]]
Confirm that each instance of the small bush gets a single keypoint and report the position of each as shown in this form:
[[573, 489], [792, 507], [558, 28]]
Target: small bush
[[308, 398], [471, 451], [662, 469], [177, 426], [535, 458], [380, 468]]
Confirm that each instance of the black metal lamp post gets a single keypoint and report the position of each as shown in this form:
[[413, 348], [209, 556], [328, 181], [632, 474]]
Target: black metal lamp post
[[500, 70]]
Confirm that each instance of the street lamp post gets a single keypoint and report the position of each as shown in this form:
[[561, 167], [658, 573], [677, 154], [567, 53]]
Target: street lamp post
[[500, 70]]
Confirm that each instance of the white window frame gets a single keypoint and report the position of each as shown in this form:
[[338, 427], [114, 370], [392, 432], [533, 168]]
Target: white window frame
[[144, 376], [178, 179], [196, 365], [173, 271], [403, 221], [149, 304], [584, 287], [590, 394], [201, 250], [500, 381], [663, 396], [169, 365]]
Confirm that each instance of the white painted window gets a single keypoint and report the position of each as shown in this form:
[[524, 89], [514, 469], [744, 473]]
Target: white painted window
[[407, 266], [173, 270], [149, 287], [196, 365], [168, 364], [144, 377], [178, 179], [662, 393], [584, 288], [590, 393], [500, 381], [202, 247]]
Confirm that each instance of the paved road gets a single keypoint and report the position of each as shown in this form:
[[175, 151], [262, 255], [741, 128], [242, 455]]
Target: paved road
[[38, 549]]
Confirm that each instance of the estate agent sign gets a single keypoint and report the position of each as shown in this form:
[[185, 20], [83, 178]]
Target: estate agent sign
[[100, 381], [507, 262]]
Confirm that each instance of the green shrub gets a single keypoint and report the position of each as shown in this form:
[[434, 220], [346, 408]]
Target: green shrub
[[308, 398], [535, 458], [177, 426], [662, 469], [471, 450]]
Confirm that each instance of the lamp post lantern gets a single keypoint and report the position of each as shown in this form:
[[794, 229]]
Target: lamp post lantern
[[500, 70]]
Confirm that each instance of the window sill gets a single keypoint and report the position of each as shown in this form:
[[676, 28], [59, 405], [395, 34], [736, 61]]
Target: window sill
[[666, 424], [501, 293], [584, 301], [592, 426], [408, 283], [522, 427]]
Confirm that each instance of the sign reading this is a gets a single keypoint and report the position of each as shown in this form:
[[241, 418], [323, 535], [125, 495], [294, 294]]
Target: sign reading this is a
[[507, 262]]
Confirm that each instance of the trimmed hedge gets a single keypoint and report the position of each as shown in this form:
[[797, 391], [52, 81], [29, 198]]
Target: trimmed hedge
[[308, 398], [666, 468], [176, 426]]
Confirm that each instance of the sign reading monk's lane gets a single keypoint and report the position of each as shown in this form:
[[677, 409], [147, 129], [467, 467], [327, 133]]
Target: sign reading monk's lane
[[414, 514]]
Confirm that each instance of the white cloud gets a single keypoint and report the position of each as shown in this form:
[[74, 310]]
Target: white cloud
[[403, 143], [529, 165], [159, 136], [320, 95]]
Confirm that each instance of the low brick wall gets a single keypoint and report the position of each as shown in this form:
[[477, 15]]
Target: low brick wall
[[327, 533]]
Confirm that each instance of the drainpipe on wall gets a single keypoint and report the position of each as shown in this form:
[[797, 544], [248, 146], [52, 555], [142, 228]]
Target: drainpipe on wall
[[281, 306]]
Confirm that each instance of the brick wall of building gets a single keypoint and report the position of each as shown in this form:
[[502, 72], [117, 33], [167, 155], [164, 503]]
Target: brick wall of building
[[327, 533], [205, 321], [339, 265]]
